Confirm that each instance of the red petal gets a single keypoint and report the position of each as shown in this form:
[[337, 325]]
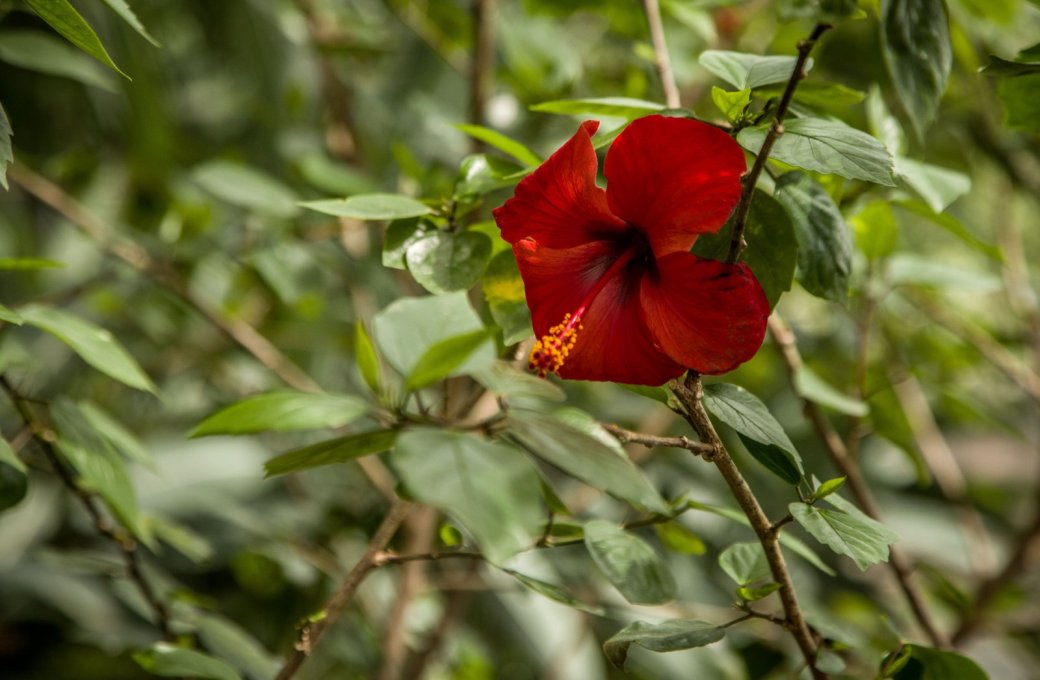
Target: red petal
[[674, 178], [613, 344], [559, 204], [710, 316]]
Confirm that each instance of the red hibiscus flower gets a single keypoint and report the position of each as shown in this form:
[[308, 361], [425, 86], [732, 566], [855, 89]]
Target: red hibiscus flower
[[613, 290]]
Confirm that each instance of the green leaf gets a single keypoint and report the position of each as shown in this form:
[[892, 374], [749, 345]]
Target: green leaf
[[1008, 69], [184, 540], [6, 152], [876, 230], [502, 143], [366, 358], [629, 563], [165, 660], [480, 174], [400, 235], [828, 487], [283, 411], [926, 663], [505, 381], [819, 10], [810, 386], [938, 187], [824, 97], [763, 436], [10, 458], [748, 71], [829, 662], [231, 643], [824, 241], [14, 484], [444, 357], [585, 457], [889, 421], [10, 316], [745, 563], [907, 269], [113, 431], [829, 147], [1021, 105], [667, 636], [756, 593], [27, 263], [43, 53], [491, 489], [372, 207], [555, 593], [954, 226], [123, 10], [859, 537], [733, 105], [915, 43], [338, 450], [504, 291], [406, 329], [677, 538], [443, 261], [64, 19], [93, 344], [619, 107], [246, 187]]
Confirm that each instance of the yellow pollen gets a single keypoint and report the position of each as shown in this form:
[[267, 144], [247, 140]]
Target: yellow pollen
[[551, 351]]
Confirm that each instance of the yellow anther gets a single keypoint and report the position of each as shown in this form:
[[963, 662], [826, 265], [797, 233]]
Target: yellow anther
[[550, 352]]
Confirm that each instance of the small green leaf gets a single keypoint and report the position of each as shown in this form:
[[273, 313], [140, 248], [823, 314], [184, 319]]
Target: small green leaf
[[246, 187], [339, 450], [667, 636], [27, 263], [748, 71], [619, 107], [444, 357], [733, 105], [6, 152], [93, 344], [10, 316], [828, 487], [554, 593], [44, 53], [64, 19], [745, 563], [926, 663], [756, 593], [1008, 69], [115, 433], [480, 174], [876, 230], [502, 143], [504, 291], [372, 207], [400, 235], [829, 147], [938, 187], [810, 386], [366, 358], [165, 660], [123, 10], [831, 98], [629, 563], [283, 411], [232, 643], [763, 436], [677, 538], [443, 261], [915, 43], [502, 379], [865, 540]]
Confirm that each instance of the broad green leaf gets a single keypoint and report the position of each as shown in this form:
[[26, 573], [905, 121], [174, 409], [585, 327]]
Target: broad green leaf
[[810, 386], [831, 98], [228, 641], [915, 43], [677, 538], [406, 329], [908, 269], [491, 489], [824, 241], [27, 263], [372, 207], [115, 433], [10, 458], [763, 436], [858, 537], [504, 291], [554, 592], [246, 187], [585, 457], [480, 174], [44, 53], [165, 660], [444, 357], [745, 563], [505, 381], [338, 450], [744, 71], [827, 488], [502, 143], [733, 105], [283, 411], [333, 177], [882, 124], [876, 230], [10, 316], [1021, 105], [938, 187], [93, 344], [629, 563], [6, 152], [926, 663], [366, 358], [64, 19], [829, 147], [620, 107], [443, 261], [400, 235], [121, 8], [667, 636], [952, 225]]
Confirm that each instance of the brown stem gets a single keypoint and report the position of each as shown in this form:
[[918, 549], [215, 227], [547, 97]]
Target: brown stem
[[689, 395], [312, 631], [749, 180], [652, 441], [483, 64], [661, 59], [102, 524], [835, 448]]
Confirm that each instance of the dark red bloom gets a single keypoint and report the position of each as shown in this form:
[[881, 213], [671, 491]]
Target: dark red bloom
[[614, 292]]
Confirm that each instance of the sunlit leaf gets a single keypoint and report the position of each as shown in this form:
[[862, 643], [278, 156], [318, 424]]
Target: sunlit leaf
[[121, 8], [502, 143], [64, 18], [282, 411], [667, 636], [447, 261], [372, 207], [504, 290], [165, 660], [620, 107], [744, 71], [745, 563], [444, 357], [864, 540], [246, 187], [44, 53], [554, 593], [332, 451]]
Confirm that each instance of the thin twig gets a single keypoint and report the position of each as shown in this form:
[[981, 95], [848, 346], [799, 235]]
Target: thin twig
[[749, 180], [312, 631], [689, 394], [835, 448], [652, 441], [483, 64], [46, 440], [661, 59]]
